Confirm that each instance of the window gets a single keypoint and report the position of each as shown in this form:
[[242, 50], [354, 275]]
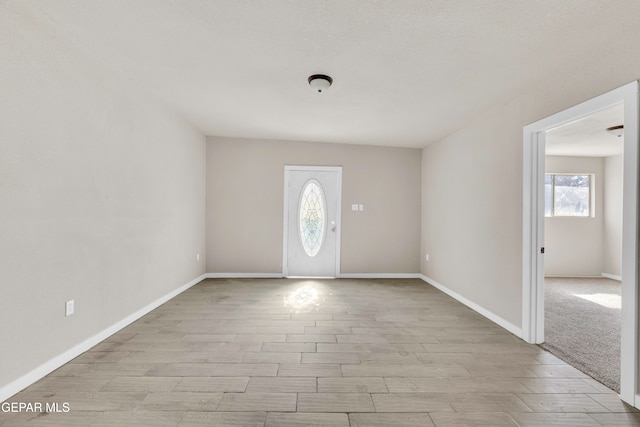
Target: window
[[567, 195]]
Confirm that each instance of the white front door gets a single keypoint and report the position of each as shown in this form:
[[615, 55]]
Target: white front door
[[312, 221]]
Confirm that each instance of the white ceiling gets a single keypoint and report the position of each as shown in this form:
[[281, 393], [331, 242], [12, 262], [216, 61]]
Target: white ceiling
[[406, 72], [587, 137]]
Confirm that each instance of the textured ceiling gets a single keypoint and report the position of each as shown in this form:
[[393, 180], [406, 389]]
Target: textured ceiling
[[406, 72], [587, 137]]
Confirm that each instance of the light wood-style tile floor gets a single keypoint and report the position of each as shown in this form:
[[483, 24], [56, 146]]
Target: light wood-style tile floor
[[319, 353]]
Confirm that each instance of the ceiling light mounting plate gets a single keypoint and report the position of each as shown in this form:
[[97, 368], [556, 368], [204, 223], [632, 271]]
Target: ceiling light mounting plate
[[320, 82]]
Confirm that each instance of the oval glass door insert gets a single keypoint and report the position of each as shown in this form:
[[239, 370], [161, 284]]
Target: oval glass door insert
[[312, 218]]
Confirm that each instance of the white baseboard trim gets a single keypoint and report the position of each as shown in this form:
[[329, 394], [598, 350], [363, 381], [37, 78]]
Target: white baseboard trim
[[570, 276], [612, 276], [31, 377], [481, 310], [340, 276], [244, 275], [637, 401], [379, 276]]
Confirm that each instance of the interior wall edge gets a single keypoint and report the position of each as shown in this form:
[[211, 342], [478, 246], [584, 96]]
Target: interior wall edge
[[51, 365], [517, 331]]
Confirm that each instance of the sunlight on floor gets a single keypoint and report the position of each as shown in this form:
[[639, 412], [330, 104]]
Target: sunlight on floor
[[304, 299], [605, 300]]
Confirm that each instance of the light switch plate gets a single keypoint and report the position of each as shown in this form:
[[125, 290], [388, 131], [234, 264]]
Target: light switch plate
[[354, 207], [361, 207], [69, 308]]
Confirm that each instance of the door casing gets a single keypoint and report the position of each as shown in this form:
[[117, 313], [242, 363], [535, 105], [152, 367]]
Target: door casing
[[533, 227]]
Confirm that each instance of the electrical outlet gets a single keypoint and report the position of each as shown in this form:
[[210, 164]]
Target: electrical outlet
[[426, 257], [197, 257], [69, 308]]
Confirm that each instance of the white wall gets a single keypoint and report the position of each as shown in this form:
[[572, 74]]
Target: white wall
[[101, 196], [470, 219], [472, 181], [245, 196], [612, 242], [574, 245]]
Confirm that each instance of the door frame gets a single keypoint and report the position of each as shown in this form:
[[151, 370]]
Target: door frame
[[533, 227], [285, 228]]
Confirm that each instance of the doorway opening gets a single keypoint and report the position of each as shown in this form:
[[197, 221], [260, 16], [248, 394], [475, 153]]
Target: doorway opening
[[583, 244], [534, 226]]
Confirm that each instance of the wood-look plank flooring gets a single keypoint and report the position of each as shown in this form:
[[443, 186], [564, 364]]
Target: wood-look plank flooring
[[240, 352]]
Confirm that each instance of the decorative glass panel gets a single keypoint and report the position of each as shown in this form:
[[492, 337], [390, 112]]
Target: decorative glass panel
[[312, 218]]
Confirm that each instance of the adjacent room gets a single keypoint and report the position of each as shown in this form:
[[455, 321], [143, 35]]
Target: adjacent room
[[287, 213], [583, 243]]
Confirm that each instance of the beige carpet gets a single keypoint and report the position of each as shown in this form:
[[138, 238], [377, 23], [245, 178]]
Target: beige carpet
[[582, 326]]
